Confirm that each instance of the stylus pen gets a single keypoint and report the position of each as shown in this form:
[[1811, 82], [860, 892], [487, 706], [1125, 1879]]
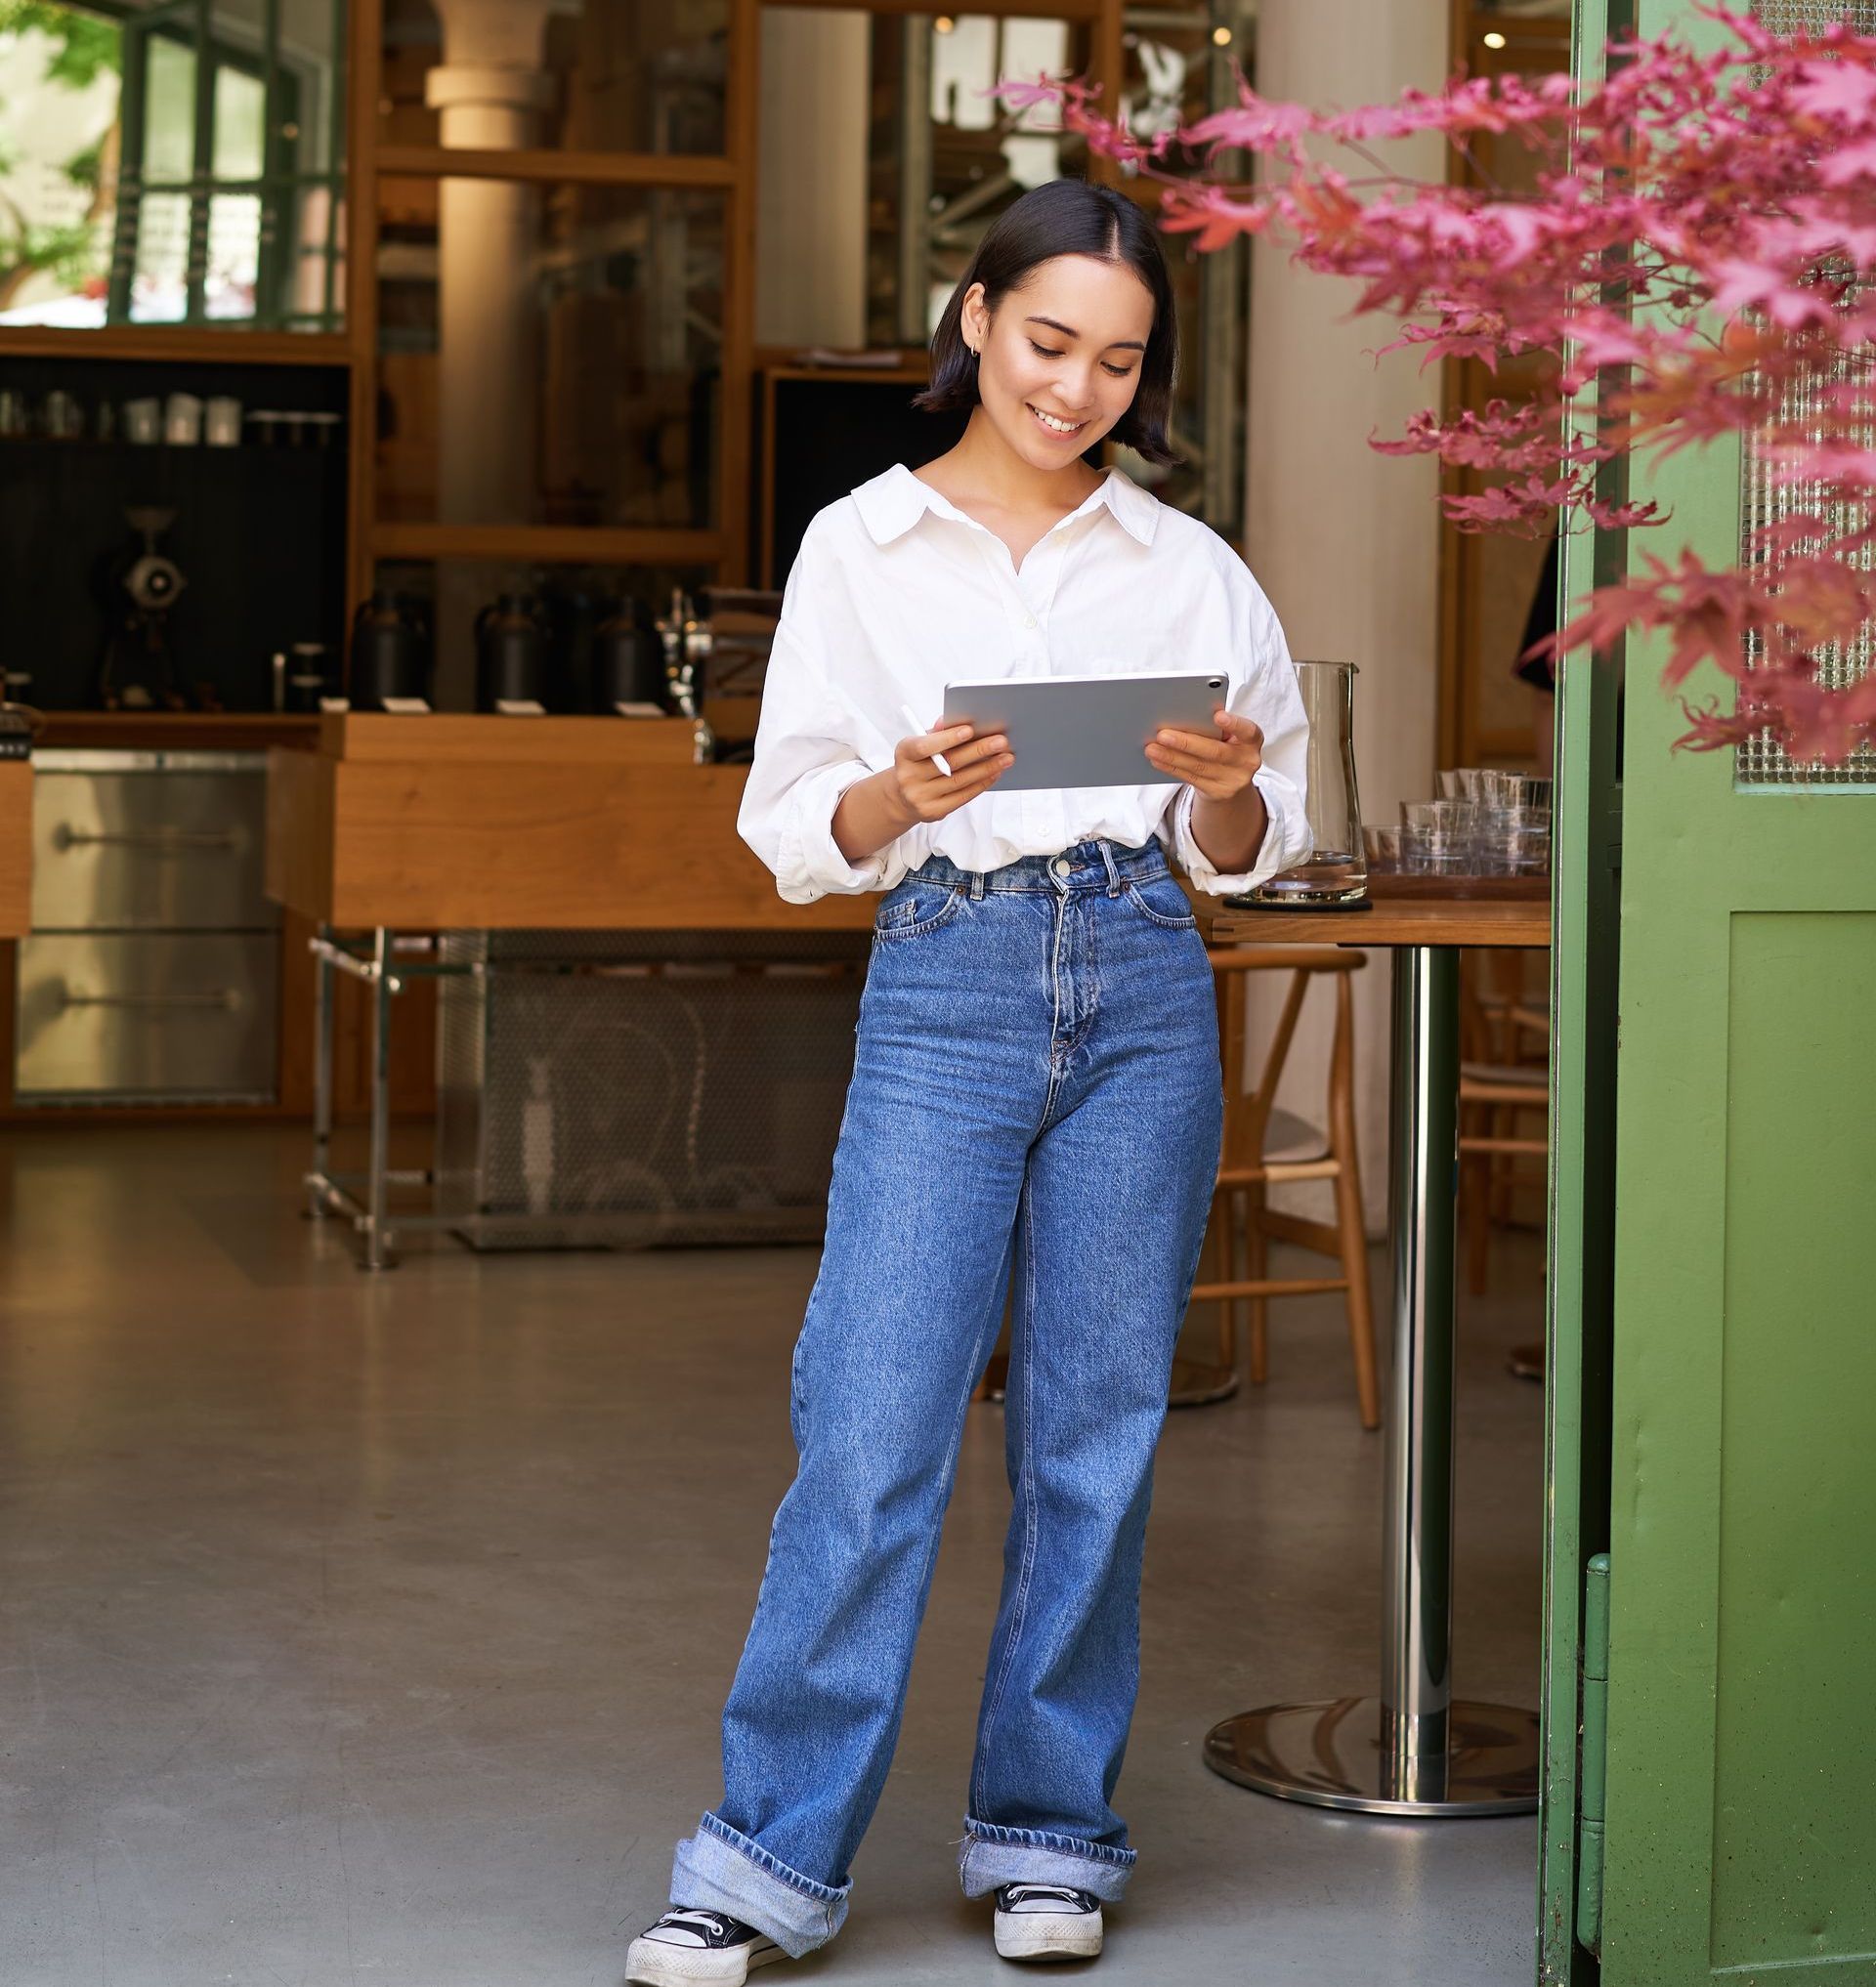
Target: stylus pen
[[938, 759]]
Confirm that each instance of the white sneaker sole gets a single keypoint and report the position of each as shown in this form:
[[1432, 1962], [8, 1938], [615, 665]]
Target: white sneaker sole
[[651, 1963], [1048, 1935]]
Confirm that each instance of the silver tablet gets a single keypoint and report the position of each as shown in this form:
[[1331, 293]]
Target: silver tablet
[[1084, 731]]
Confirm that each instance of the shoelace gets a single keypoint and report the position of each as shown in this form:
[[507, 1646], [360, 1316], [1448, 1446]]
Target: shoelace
[[1016, 1895], [719, 1925]]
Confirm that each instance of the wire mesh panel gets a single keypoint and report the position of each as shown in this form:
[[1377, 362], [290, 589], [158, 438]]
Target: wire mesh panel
[[623, 1089], [1762, 761]]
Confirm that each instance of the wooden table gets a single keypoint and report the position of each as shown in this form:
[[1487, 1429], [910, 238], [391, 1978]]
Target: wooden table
[[1414, 1748], [397, 827]]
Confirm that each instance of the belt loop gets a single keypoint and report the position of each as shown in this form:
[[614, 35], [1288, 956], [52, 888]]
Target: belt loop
[[977, 886], [1113, 874]]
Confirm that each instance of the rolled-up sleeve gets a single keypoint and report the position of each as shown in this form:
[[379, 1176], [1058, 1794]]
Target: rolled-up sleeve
[[809, 749], [1265, 692]]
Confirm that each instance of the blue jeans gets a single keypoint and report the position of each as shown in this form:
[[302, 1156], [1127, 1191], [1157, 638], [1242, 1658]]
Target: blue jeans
[[1036, 1084]]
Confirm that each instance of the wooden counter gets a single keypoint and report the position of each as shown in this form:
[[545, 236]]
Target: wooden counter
[[16, 848], [461, 823]]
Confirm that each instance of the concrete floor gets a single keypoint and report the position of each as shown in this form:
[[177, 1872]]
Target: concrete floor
[[374, 1630]]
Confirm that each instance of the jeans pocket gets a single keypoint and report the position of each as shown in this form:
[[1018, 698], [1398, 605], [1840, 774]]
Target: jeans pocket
[[1161, 901], [914, 908]]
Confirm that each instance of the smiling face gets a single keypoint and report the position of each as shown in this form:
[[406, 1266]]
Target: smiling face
[[1060, 361]]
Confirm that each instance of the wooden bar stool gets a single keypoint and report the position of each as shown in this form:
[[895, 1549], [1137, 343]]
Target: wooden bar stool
[[1498, 1087], [1266, 1146]]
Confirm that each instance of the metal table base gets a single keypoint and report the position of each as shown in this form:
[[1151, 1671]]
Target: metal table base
[[327, 1192], [387, 963], [1413, 1749]]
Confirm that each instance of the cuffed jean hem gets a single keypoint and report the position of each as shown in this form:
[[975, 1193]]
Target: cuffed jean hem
[[720, 1869], [991, 1855]]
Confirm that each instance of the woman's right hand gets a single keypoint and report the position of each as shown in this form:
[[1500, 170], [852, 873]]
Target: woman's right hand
[[917, 790]]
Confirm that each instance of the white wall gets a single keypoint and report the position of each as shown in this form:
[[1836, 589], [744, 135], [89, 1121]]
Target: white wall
[[1345, 541]]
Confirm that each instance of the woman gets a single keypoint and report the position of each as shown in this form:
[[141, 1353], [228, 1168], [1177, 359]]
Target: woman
[[1036, 1086]]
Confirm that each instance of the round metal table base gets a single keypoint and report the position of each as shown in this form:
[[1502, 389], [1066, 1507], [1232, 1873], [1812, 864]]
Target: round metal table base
[[1331, 1754]]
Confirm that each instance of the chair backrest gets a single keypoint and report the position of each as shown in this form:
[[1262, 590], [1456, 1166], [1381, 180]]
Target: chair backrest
[[1247, 1113]]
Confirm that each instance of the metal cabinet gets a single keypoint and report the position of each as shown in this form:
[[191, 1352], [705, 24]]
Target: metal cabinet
[[152, 974]]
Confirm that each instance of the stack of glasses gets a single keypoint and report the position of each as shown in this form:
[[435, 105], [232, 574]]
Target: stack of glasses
[[1485, 823]]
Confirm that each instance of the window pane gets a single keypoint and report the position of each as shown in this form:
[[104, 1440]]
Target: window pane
[[234, 255], [240, 125], [600, 75], [159, 291], [310, 296], [169, 112], [550, 355]]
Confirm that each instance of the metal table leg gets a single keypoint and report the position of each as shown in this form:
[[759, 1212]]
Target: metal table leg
[[372, 1224], [1413, 1750], [327, 1192], [322, 1004]]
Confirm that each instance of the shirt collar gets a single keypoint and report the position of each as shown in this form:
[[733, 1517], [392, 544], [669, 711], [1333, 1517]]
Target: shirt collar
[[896, 500]]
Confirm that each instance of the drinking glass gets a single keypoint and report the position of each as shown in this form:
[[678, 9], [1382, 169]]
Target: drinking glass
[[1498, 788], [1436, 836], [1381, 845], [1337, 872], [1516, 842]]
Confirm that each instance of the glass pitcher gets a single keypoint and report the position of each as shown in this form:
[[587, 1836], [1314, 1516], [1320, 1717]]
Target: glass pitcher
[[1337, 872]]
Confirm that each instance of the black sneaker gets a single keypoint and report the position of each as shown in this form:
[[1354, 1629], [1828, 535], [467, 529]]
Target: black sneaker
[[687, 1946], [1048, 1921]]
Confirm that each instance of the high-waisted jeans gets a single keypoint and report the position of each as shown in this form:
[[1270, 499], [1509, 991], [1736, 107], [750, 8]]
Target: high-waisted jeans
[[1035, 1087]]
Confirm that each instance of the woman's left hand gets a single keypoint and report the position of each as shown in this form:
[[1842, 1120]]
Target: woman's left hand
[[1221, 768]]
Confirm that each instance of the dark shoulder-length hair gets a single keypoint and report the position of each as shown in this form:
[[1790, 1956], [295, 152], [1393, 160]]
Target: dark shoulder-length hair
[[1066, 217]]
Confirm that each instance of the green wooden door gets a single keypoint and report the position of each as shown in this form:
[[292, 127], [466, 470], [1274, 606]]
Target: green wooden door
[[1713, 1325]]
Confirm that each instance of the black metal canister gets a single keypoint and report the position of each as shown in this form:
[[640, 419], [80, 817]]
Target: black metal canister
[[511, 654], [629, 659], [390, 655]]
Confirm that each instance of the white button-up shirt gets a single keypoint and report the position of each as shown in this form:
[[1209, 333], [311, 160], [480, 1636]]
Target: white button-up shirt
[[896, 592]]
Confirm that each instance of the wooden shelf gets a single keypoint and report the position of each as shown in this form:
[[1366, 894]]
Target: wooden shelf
[[785, 363], [550, 545], [1016, 10], [233, 347], [575, 168], [182, 731], [890, 375]]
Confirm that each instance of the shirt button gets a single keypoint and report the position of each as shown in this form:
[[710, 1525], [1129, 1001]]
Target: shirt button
[[1061, 866], [1029, 621]]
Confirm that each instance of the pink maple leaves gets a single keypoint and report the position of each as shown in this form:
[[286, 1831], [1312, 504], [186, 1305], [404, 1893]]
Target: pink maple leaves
[[1701, 242]]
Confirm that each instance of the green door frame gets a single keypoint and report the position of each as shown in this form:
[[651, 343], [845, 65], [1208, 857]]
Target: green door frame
[[1736, 1316], [1585, 959]]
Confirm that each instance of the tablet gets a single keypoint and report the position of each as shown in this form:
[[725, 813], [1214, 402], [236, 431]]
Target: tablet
[[1086, 731]]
